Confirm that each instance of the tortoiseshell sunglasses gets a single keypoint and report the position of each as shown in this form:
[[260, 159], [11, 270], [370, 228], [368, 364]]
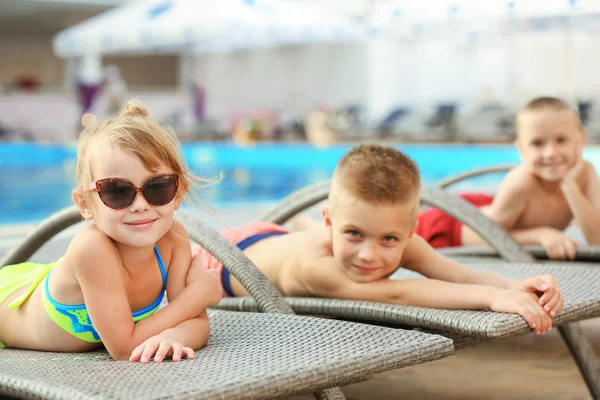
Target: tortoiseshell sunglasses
[[118, 193]]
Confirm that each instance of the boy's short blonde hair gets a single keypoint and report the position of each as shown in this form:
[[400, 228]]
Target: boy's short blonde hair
[[135, 131], [378, 174], [547, 103]]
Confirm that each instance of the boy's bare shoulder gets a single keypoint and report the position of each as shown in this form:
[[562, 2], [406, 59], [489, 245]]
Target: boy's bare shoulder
[[320, 273], [318, 242], [590, 170], [519, 180]]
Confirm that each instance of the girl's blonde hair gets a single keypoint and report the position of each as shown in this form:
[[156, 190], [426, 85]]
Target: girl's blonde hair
[[135, 131]]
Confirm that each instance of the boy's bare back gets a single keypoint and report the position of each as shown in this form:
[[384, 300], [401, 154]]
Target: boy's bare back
[[299, 263]]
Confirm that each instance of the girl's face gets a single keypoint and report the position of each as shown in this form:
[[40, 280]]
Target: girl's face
[[141, 224]]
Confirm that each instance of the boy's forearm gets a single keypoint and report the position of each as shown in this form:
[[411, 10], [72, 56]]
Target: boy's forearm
[[527, 236], [522, 236], [432, 293], [192, 333], [583, 212], [490, 279]]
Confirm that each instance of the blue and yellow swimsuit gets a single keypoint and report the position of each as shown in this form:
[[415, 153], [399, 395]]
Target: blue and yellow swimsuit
[[74, 319]]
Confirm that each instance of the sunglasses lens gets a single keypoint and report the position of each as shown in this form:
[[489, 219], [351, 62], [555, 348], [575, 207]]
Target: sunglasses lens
[[117, 194], [161, 190]]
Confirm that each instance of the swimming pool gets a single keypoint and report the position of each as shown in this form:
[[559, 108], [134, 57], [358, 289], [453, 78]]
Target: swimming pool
[[37, 179]]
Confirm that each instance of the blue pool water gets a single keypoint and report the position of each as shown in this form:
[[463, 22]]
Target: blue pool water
[[36, 180]]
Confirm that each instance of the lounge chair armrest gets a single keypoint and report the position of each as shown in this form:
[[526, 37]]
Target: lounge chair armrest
[[447, 182], [254, 281], [298, 202], [449, 203], [233, 259], [470, 215], [45, 231]]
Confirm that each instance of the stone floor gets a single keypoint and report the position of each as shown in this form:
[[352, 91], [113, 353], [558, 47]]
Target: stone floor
[[526, 367]]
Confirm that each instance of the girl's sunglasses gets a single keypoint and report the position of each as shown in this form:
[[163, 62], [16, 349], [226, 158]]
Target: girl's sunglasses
[[119, 193]]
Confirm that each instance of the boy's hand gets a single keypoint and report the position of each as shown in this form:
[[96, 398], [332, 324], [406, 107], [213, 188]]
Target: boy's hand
[[575, 176], [546, 287], [160, 347], [525, 304], [558, 246]]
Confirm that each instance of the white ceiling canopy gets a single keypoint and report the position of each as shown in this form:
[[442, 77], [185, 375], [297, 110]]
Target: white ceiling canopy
[[210, 26], [203, 26], [402, 16]]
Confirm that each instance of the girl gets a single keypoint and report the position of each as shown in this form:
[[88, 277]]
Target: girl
[[106, 290]]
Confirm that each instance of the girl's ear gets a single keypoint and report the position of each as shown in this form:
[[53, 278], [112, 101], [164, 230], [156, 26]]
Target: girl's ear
[[82, 205], [180, 194], [326, 217], [177, 201]]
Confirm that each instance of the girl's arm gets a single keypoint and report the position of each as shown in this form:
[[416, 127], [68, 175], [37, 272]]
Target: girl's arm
[[99, 273], [182, 266], [185, 276], [177, 343]]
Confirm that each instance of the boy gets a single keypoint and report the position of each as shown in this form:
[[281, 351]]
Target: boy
[[367, 235], [538, 199]]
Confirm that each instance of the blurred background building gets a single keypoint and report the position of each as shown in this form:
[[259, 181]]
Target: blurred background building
[[257, 70], [272, 92]]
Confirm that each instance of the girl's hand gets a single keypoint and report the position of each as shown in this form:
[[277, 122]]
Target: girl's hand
[[160, 347], [206, 281]]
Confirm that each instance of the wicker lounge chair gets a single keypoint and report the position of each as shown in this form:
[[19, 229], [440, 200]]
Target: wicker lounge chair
[[249, 355], [584, 253], [582, 301]]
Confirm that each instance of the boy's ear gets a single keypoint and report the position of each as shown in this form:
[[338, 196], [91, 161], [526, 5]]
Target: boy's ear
[[82, 205], [519, 146], [326, 217], [414, 229], [584, 139]]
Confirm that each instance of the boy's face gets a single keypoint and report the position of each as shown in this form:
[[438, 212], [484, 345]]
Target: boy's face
[[368, 240], [550, 142]]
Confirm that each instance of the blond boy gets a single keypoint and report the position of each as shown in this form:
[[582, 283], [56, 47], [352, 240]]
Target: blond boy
[[552, 187], [366, 236]]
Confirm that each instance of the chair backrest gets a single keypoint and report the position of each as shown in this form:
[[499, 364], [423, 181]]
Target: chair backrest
[[454, 206]]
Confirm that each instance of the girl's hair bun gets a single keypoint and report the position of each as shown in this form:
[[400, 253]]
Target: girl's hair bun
[[134, 109]]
